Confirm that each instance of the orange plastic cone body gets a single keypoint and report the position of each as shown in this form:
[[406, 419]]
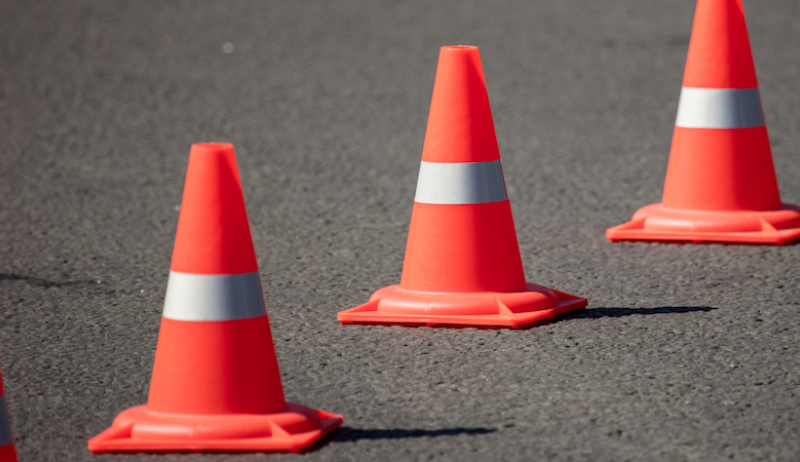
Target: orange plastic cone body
[[720, 184], [215, 384], [462, 264], [8, 453]]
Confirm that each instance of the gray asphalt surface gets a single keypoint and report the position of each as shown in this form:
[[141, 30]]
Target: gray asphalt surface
[[686, 353]]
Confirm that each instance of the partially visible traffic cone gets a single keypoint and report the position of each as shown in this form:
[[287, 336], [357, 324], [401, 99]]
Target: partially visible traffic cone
[[215, 384], [8, 452], [720, 183], [462, 263]]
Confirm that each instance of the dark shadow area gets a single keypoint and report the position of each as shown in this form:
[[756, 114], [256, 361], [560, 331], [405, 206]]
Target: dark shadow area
[[347, 434], [620, 312], [594, 313], [42, 282]]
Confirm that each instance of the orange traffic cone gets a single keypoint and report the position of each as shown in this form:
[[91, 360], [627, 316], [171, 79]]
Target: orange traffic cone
[[215, 383], [462, 263], [8, 453], [720, 183]]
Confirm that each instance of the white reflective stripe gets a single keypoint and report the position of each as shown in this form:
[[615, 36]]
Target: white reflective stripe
[[203, 297], [719, 108], [5, 426], [461, 183]]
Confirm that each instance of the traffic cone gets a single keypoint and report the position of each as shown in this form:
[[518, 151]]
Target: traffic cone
[[462, 263], [8, 453], [215, 383], [720, 183]]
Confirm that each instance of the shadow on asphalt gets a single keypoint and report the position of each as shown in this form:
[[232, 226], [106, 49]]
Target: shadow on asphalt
[[620, 312], [347, 434], [42, 282], [595, 313]]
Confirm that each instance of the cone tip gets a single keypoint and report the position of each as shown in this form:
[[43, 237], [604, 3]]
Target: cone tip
[[459, 47], [719, 51], [213, 235], [207, 148], [460, 50], [460, 126]]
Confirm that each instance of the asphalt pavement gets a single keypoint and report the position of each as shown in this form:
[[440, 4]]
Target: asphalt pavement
[[685, 353]]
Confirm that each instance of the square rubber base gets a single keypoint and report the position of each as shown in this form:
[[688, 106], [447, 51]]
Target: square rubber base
[[635, 231], [370, 313]]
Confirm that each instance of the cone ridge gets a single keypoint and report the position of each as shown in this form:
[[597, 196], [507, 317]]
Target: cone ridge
[[460, 126], [213, 234], [719, 51]]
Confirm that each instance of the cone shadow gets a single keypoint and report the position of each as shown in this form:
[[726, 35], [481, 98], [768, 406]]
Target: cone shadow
[[594, 313], [348, 434], [43, 282]]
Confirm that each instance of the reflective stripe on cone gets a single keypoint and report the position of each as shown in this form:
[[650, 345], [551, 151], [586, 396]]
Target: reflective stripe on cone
[[461, 183], [8, 453], [6, 437], [204, 297], [719, 108]]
